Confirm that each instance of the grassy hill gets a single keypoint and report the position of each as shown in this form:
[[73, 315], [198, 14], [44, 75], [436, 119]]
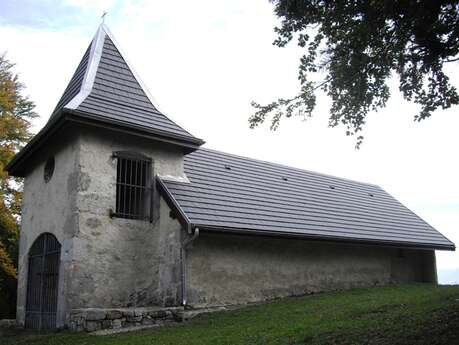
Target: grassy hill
[[406, 314]]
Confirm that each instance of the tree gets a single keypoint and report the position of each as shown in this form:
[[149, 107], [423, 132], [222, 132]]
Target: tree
[[16, 112], [354, 47]]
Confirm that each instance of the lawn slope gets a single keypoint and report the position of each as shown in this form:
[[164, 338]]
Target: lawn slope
[[404, 314]]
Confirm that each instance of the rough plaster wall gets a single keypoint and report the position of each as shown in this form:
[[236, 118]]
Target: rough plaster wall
[[121, 262], [413, 265], [230, 269], [49, 207]]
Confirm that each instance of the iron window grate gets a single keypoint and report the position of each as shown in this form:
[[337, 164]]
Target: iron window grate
[[133, 186]]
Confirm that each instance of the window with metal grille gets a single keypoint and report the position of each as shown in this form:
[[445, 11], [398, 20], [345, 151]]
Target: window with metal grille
[[134, 190]]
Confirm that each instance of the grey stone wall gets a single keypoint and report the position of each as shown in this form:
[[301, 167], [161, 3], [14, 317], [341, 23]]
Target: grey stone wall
[[112, 264], [50, 207], [105, 262], [94, 319], [233, 269], [122, 262]]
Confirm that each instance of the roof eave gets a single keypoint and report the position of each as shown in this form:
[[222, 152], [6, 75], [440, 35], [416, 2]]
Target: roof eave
[[83, 117], [18, 165], [336, 239], [173, 204]]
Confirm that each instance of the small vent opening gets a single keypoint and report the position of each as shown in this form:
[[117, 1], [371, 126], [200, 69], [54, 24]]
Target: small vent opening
[[49, 169], [332, 187], [284, 178], [227, 167], [371, 194]]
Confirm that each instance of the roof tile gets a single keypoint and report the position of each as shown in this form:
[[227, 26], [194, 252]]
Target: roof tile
[[253, 196], [116, 92]]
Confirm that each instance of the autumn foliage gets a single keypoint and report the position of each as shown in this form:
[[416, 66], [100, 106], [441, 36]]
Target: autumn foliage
[[16, 112]]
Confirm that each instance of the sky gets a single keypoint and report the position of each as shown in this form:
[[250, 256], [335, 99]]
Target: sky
[[205, 61]]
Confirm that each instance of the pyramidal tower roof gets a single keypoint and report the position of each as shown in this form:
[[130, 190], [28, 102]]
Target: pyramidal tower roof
[[106, 87], [105, 91]]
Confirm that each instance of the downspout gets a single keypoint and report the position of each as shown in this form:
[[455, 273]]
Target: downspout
[[185, 245]]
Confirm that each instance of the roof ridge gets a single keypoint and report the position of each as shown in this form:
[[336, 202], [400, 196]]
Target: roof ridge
[[286, 166], [95, 54]]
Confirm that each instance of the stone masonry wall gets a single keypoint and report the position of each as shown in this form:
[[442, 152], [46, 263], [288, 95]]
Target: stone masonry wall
[[50, 207], [94, 319], [123, 263], [106, 262], [119, 272], [232, 269]]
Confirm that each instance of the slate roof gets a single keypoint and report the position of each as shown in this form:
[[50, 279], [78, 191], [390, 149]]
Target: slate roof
[[106, 91], [106, 86], [228, 192], [74, 86], [233, 193]]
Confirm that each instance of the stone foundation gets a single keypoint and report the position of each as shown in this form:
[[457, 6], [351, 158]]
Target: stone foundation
[[7, 323], [94, 319]]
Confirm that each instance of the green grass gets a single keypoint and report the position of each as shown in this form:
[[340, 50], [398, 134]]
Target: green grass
[[406, 314]]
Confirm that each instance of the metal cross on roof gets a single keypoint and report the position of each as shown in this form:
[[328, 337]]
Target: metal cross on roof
[[103, 16]]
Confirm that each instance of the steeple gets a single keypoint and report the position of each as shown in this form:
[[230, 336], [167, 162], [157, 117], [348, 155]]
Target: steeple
[[105, 91], [106, 87]]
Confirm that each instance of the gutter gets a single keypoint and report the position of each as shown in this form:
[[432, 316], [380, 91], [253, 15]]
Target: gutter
[[185, 245]]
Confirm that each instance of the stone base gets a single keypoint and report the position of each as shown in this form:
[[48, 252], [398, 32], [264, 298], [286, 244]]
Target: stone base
[[7, 323], [94, 319]]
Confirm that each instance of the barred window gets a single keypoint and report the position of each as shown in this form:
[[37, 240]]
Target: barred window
[[134, 191]]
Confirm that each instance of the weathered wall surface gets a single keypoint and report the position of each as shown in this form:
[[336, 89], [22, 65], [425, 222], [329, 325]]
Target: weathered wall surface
[[122, 262], [105, 262], [113, 263], [232, 269], [50, 207]]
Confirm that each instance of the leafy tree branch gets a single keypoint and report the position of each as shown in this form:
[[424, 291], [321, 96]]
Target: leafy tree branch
[[358, 46]]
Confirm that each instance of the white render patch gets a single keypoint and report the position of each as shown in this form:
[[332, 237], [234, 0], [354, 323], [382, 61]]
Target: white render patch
[[182, 178]]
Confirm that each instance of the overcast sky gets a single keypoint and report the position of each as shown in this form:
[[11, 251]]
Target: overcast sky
[[205, 61]]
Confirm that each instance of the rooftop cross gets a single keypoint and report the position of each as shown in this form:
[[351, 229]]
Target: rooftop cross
[[103, 16]]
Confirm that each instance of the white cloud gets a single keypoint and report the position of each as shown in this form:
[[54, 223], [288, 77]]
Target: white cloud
[[45, 61]]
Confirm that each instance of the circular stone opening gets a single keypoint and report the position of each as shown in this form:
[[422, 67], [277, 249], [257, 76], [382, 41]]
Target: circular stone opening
[[49, 169]]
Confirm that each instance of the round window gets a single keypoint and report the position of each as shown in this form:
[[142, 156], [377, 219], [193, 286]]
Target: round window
[[49, 169]]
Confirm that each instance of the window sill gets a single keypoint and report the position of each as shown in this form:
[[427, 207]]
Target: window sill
[[113, 214]]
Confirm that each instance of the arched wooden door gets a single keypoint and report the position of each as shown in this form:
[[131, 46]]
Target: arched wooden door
[[42, 282]]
